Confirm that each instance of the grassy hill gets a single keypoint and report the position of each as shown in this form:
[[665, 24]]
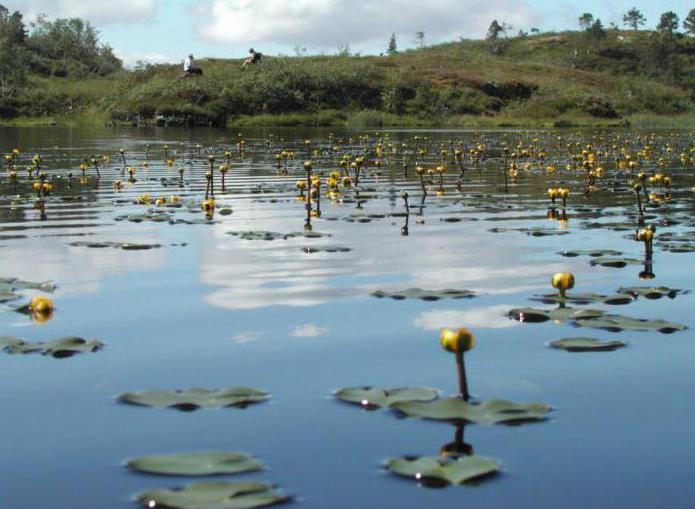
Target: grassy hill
[[547, 79]]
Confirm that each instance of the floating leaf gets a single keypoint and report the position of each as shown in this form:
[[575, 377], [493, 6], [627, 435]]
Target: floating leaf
[[533, 315], [9, 287], [533, 232], [618, 323], [486, 412], [450, 470], [594, 253], [127, 246], [429, 295], [651, 292], [584, 298], [196, 463], [214, 495], [267, 235], [615, 262], [59, 348], [587, 345], [326, 249], [374, 397], [193, 399]]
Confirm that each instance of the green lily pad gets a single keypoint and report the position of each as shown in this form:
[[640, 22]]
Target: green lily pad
[[486, 412], [428, 295], [533, 232], [59, 348], [450, 470], [584, 298], [193, 399], [326, 249], [674, 242], [651, 292], [374, 397], [618, 323], [267, 235], [677, 247], [587, 345], [533, 315], [594, 253], [196, 463], [615, 261], [214, 495], [9, 287], [127, 246]]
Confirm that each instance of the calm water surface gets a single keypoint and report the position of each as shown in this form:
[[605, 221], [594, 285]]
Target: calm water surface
[[209, 309]]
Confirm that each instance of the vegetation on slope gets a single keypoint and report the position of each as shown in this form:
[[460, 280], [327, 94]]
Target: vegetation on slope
[[594, 75]]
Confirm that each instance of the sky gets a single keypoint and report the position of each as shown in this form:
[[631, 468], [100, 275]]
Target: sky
[[167, 30]]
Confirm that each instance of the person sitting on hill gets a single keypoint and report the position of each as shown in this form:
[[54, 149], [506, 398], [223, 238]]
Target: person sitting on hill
[[189, 68], [254, 58]]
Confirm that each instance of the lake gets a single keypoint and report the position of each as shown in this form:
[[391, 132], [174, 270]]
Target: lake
[[252, 296]]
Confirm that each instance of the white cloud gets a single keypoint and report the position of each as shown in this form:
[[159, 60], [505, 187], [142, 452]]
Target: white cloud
[[492, 317], [327, 23], [247, 337], [131, 59], [101, 13], [309, 330]]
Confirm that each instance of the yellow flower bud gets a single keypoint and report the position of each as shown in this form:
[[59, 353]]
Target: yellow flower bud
[[459, 340], [563, 281]]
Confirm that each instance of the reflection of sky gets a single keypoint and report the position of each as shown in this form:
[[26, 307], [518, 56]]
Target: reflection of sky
[[77, 270], [436, 256]]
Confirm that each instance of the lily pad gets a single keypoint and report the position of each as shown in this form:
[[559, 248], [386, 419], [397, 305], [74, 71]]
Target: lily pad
[[533, 232], [618, 323], [428, 295], [326, 249], [9, 287], [214, 495], [59, 348], [651, 292], [374, 397], [196, 463], [594, 253], [193, 399], [587, 345], [267, 235], [127, 246], [485, 412], [677, 242], [615, 261], [533, 315], [450, 470], [584, 298]]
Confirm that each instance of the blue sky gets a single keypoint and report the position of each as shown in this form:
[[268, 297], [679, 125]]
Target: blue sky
[[166, 30]]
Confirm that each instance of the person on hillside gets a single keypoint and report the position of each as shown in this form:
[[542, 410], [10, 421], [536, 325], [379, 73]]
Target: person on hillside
[[189, 67], [254, 58]]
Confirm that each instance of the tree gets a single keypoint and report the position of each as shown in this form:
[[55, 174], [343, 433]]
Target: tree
[[13, 54], [597, 32], [343, 50], [634, 18], [668, 23], [494, 31], [392, 48], [586, 20], [495, 45], [420, 39], [689, 22]]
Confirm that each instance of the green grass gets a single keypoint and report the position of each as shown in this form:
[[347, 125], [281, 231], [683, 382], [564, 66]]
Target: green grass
[[545, 80]]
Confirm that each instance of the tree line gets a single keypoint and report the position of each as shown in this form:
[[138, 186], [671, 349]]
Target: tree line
[[63, 47]]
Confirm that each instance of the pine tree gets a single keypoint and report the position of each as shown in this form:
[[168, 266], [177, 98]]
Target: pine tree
[[393, 47], [634, 18]]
